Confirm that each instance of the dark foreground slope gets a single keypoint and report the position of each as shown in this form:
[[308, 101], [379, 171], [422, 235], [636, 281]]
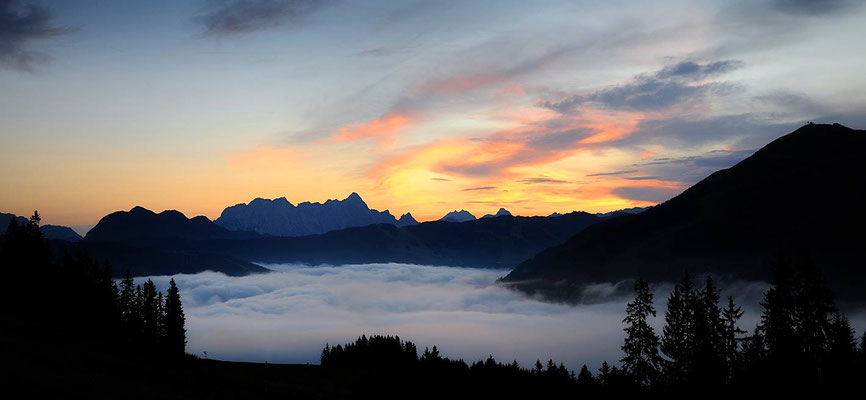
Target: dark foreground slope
[[802, 195], [500, 242]]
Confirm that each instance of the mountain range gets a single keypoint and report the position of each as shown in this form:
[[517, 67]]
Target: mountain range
[[801, 197], [279, 217], [499, 242], [132, 239]]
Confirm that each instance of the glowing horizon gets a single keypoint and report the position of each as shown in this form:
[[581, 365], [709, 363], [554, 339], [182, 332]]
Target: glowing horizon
[[574, 106]]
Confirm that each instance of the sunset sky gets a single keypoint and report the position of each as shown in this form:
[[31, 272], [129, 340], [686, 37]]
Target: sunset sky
[[424, 106]]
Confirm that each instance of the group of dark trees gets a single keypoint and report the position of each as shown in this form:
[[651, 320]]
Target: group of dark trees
[[78, 296], [400, 364], [802, 343]]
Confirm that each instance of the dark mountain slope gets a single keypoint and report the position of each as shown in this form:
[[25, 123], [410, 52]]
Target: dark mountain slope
[[142, 226], [499, 242], [145, 261], [801, 195]]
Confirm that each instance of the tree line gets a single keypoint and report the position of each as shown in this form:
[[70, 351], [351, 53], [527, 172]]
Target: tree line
[[802, 343], [78, 295]]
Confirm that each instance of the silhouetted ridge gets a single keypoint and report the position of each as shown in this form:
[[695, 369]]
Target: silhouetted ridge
[[500, 242], [142, 226], [279, 217], [804, 192], [458, 216]]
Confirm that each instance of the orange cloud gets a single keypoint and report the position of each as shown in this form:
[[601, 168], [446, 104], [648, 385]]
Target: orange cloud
[[387, 125]]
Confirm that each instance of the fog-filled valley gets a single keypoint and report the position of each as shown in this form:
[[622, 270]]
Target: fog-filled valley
[[288, 315]]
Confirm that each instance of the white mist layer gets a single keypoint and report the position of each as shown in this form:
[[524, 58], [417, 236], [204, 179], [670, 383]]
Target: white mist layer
[[288, 315]]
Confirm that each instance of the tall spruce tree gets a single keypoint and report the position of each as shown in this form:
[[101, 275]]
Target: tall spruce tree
[[585, 381], [149, 312], [642, 360], [604, 374], [778, 324], [814, 309], [678, 333], [731, 337], [175, 333], [128, 309], [841, 361], [796, 322], [707, 365]]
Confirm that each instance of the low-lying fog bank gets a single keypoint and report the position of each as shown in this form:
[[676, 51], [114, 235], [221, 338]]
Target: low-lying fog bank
[[288, 315]]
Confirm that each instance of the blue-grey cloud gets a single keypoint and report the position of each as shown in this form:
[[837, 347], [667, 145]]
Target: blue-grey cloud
[[472, 189], [20, 25], [813, 7], [623, 172], [669, 86], [239, 16], [690, 169], [645, 193], [541, 179]]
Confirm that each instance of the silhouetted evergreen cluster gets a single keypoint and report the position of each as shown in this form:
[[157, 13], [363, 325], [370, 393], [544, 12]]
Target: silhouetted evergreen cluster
[[400, 364], [77, 294], [803, 342]]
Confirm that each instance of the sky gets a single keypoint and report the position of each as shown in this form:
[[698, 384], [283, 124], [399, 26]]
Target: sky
[[418, 106]]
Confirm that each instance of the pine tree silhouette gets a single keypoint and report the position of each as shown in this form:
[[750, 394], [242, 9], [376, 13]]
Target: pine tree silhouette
[[678, 333], [731, 338], [175, 333], [641, 361]]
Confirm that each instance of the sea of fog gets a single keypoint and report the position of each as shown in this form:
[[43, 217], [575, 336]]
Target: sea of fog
[[288, 315]]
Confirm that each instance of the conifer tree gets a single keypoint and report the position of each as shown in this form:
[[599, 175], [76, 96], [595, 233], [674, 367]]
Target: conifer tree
[[708, 364], [128, 310], [175, 333], [678, 333], [539, 368], [160, 316], [604, 374], [642, 360], [149, 311], [777, 327], [585, 380], [862, 352], [732, 336], [842, 349], [814, 310]]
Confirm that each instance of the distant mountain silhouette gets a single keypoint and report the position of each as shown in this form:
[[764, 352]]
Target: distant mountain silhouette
[[49, 231], [60, 232], [142, 226], [500, 242], [624, 211], [406, 220], [458, 216], [501, 212], [802, 195], [279, 217]]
